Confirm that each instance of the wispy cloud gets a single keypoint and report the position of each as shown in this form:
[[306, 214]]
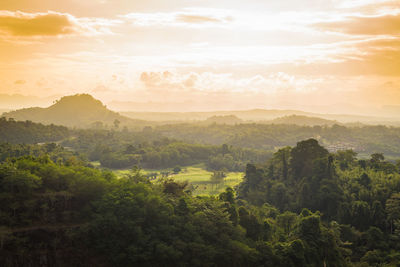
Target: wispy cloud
[[38, 24], [193, 18], [187, 17], [19, 82], [225, 82], [22, 24], [387, 24]]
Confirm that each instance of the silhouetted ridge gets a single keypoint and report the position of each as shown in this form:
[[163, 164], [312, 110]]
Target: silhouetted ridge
[[81, 110]]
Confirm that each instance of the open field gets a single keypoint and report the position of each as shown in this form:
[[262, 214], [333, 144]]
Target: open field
[[197, 177]]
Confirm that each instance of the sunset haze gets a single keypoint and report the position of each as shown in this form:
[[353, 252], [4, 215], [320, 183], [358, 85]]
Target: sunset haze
[[317, 55]]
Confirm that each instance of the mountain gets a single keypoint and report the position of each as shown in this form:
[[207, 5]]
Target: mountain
[[227, 119], [260, 115], [302, 121], [81, 110], [246, 115]]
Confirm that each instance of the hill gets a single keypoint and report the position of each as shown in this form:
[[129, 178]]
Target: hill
[[246, 115], [227, 119], [302, 121], [258, 115], [81, 110]]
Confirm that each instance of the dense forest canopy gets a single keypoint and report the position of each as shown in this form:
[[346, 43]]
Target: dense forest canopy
[[257, 139], [28, 132], [365, 139], [304, 207], [299, 203]]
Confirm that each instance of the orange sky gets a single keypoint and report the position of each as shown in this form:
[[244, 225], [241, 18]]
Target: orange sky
[[319, 55]]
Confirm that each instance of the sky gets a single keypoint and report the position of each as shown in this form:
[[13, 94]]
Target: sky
[[335, 56]]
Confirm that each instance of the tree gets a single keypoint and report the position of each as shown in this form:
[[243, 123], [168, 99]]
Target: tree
[[362, 163], [228, 195], [177, 170], [278, 195], [303, 156], [217, 177], [224, 149], [398, 165], [377, 157], [116, 123], [365, 180], [361, 215], [345, 158], [393, 209], [287, 220], [378, 215]]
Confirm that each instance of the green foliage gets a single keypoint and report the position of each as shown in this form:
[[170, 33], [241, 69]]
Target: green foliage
[[79, 216], [217, 177], [363, 198], [53, 151], [303, 157], [28, 132], [366, 139], [177, 169], [150, 150], [304, 207]]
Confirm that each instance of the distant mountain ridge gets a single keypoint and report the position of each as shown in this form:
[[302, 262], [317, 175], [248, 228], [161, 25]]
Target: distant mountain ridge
[[226, 119], [303, 121], [260, 116], [81, 110], [84, 111]]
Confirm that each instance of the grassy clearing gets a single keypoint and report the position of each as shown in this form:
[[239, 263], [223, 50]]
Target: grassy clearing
[[96, 164], [197, 177]]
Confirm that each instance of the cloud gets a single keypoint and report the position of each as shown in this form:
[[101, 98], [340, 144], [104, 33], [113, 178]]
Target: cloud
[[373, 47], [190, 18], [272, 90], [380, 56], [388, 24], [22, 24], [19, 82], [39, 24], [370, 6], [192, 82], [368, 56], [187, 17]]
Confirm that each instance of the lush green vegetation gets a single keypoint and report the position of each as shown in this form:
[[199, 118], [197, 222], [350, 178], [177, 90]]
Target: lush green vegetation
[[361, 197], [150, 150], [305, 207], [53, 214], [53, 151], [299, 206], [28, 132], [364, 139]]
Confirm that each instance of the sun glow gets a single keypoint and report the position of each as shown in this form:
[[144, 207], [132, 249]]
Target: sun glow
[[264, 50]]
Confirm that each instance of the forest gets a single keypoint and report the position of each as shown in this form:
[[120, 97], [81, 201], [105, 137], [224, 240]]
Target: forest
[[300, 205]]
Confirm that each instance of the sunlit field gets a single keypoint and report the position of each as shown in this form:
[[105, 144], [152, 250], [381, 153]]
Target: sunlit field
[[198, 178]]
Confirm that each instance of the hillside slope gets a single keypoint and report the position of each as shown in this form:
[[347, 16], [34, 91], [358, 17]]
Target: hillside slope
[[81, 110]]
